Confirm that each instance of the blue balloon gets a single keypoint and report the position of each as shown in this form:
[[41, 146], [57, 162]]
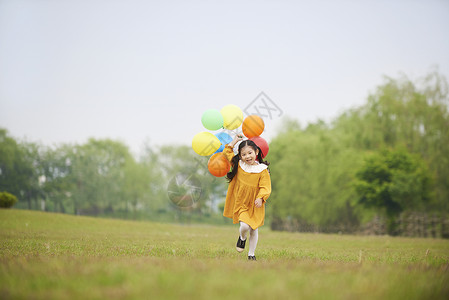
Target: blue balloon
[[224, 139], [220, 149]]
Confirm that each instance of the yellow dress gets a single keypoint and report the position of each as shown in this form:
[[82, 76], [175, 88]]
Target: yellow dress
[[244, 189]]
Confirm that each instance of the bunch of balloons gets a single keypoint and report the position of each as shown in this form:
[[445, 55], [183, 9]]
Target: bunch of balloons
[[230, 117]]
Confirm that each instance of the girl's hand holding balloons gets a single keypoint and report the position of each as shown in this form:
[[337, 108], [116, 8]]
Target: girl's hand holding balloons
[[237, 138]]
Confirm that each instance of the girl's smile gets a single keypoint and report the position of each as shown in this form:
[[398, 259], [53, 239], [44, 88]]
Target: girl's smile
[[248, 155]]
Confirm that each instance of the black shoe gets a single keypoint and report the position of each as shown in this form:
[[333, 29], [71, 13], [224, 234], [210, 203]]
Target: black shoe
[[252, 258], [240, 245]]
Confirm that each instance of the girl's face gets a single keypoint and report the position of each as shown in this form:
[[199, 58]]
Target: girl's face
[[248, 155]]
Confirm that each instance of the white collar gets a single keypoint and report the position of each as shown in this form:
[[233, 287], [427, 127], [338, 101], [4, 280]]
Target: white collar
[[257, 168]]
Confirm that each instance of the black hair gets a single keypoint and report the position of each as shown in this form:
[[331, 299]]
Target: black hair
[[235, 160]]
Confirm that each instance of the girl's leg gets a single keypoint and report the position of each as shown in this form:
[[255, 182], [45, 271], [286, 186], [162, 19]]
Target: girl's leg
[[244, 228], [253, 238]]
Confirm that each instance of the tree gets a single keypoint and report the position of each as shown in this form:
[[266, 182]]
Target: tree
[[97, 174], [17, 172], [155, 183], [412, 115], [392, 181], [7, 200], [184, 162], [311, 175], [56, 182]]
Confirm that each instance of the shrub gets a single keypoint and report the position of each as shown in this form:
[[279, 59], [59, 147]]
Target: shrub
[[7, 200]]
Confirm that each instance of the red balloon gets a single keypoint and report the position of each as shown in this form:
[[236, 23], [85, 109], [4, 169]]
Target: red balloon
[[262, 144], [218, 165]]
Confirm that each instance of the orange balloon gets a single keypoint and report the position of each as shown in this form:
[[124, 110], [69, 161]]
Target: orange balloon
[[218, 165], [253, 126]]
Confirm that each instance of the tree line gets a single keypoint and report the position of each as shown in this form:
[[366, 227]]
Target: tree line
[[383, 161], [102, 178]]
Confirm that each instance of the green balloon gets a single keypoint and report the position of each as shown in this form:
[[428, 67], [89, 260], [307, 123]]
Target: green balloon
[[212, 119]]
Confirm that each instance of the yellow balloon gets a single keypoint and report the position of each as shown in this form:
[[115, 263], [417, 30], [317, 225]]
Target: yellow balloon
[[232, 116], [205, 143]]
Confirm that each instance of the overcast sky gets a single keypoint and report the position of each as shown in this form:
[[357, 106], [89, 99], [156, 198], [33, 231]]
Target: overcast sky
[[147, 70]]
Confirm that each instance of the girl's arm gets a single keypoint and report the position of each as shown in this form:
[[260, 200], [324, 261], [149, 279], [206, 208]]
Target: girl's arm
[[229, 149], [264, 187]]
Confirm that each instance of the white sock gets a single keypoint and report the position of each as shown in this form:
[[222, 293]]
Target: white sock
[[244, 228], [253, 238]]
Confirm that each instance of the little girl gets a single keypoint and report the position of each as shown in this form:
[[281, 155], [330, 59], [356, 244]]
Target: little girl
[[249, 188]]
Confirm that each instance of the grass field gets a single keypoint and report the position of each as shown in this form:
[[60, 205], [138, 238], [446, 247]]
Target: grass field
[[55, 256]]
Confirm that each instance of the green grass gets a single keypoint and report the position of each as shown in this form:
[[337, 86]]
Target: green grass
[[55, 256]]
